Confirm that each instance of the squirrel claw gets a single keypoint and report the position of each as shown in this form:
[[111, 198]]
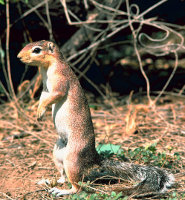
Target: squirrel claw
[[40, 113]]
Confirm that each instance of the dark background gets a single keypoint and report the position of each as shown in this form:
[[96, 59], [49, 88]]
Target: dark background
[[108, 71]]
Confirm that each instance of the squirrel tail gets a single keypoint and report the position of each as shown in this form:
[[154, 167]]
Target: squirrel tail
[[151, 179]]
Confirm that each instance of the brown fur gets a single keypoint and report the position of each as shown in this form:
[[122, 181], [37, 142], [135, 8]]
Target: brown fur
[[70, 110], [74, 152]]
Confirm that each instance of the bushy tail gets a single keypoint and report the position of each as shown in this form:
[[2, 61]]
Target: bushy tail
[[151, 179]]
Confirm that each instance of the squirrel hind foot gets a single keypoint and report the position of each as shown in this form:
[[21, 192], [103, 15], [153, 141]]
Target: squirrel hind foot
[[58, 193], [61, 180]]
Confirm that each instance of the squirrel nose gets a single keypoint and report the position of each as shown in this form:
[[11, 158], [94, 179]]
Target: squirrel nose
[[19, 55]]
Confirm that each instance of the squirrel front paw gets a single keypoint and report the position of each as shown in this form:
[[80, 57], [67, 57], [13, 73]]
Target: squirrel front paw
[[40, 112]]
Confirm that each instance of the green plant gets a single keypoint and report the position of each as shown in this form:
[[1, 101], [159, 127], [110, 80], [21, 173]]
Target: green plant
[[146, 155], [150, 155], [108, 150], [175, 196], [97, 196]]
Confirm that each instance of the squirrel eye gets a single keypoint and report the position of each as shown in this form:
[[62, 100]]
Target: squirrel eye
[[37, 50]]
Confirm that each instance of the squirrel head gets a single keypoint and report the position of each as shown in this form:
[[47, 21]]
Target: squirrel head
[[41, 53]]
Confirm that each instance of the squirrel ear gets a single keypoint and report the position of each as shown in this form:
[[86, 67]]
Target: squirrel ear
[[51, 47]]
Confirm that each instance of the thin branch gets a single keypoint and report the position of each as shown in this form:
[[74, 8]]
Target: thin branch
[[40, 16], [98, 42], [11, 89], [31, 10], [49, 22], [120, 12], [166, 48], [91, 82], [151, 8], [4, 70], [88, 21], [6, 196], [86, 4], [134, 33], [67, 12], [25, 14], [5, 91], [169, 79]]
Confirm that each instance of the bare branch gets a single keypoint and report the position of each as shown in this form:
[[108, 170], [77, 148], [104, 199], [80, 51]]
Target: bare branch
[[10, 83]]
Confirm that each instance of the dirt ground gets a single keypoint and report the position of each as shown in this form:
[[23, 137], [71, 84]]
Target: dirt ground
[[26, 145]]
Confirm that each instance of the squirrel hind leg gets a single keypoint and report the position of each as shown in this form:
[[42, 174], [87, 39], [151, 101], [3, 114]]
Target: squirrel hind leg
[[73, 178], [58, 154], [60, 168]]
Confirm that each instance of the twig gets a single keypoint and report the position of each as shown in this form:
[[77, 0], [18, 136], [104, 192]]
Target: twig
[[98, 42], [91, 82], [120, 12], [4, 72], [31, 10], [78, 22], [25, 14], [67, 12], [91, 55], [6, 196], [39, 15], [166, 47], [86, 4], [49, 22], [5, 91], [11, 88], [13, 126], [134, 33], [83, 56], [3, 63], [181, 91], [151, 8], [169, 79]]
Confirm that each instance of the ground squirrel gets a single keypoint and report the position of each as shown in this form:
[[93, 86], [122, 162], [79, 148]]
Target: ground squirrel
[[74, 152]]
